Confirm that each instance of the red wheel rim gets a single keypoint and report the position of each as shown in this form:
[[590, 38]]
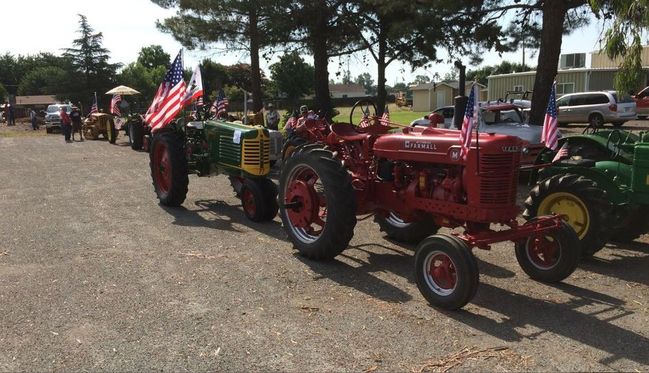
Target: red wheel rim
[[440, 273], [543, 251], [162, 167], [305, 195], [248, 201]]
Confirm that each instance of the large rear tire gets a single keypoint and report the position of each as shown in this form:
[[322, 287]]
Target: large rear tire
[[446, 271], [549, 257], [632, 226], [404, 231], [136, 134], [290, 145], [580, 200], [169, 168], [111, 133], [317, 203]]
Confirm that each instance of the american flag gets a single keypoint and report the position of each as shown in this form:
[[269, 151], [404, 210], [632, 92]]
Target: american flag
[[562, 153], [94, 108], [385, 118], [195, 87], [200, 102], [550, 127], [365, 120], [220, 105], [168, 99], [470, 121], [114, 105]]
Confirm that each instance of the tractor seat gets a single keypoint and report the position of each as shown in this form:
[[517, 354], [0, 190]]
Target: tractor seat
[[576, 163], [347, 132]]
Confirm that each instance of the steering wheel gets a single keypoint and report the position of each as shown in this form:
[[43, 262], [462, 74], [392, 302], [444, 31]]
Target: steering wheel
[[364, 106], [617, 142]]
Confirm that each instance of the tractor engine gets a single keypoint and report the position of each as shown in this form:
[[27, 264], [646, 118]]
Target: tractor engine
[[422, 171]]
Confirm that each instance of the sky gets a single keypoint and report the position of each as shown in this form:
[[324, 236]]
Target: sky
[[128, 25]]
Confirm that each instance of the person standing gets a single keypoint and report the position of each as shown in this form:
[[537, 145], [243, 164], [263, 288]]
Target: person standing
[[75, 118], [12, 116], [32, 118], [7, 112], [272, 118], [66, 124]]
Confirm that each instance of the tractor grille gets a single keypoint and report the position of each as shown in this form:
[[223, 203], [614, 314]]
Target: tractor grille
[[256, 151], [499, 178], [229, 152]]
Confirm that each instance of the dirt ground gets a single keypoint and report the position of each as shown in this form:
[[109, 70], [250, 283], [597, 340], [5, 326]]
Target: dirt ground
[[95, 275]]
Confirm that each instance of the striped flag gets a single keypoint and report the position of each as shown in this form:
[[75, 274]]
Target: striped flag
[[385, 118], [562, 153], [94, 108], [470, 121], [168, 99], [220, 105], [194, 88], [550, 126], [114, 105]]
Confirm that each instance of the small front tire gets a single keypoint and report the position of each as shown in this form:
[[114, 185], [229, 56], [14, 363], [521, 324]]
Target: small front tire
[[446, 271], [551, 256]]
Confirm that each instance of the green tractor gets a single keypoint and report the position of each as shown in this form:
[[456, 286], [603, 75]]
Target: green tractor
[[601, 187], [213, 147]]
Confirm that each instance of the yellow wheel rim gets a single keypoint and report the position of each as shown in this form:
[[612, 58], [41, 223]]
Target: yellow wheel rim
[[571, 207]]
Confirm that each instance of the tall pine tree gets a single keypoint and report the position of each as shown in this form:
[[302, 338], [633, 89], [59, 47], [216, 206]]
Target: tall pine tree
[[90, 58]]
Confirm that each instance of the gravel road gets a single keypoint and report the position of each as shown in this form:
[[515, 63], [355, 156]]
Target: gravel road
[[95, 275]]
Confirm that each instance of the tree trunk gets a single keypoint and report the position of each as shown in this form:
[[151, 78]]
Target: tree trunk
[[255, 79], [554, 14], [321, 62], [381, 93]]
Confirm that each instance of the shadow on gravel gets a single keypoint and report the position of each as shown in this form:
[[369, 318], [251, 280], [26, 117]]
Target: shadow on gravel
[[221, 216], [361, 277], [525, 318], [627, 268]]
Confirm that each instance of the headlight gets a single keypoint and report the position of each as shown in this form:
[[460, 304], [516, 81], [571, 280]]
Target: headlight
[[525, 150]]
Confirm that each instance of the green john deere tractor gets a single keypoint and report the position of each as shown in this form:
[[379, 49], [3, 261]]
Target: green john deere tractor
[[213, 147], [601, 187]]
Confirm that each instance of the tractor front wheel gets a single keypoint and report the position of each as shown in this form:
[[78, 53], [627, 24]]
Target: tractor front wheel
[[111, 133], [317, 203], [169, 168], [259, 199], [401, 230], [446, 271], [581, 202], [550, 256]]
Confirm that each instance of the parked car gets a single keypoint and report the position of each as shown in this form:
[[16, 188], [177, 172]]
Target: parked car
[[595, 108], [52, 117], [642, 102], [501, 118]]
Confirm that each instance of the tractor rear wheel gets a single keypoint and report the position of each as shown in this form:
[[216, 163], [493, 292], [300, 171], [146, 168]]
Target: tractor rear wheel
[[317, 203], [551, 256], [169, 168], [136, 134], [405, 231], [631, 227], [580, 200], [290, 145], [111, 133], [446, 271]]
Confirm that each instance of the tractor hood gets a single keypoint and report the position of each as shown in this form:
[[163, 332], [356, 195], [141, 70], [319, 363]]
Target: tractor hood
[[440, 145]]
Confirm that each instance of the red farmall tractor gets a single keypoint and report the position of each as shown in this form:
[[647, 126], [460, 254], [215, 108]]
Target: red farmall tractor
[[416, 182]]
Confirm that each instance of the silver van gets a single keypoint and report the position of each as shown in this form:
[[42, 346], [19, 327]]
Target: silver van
[[595, 108]]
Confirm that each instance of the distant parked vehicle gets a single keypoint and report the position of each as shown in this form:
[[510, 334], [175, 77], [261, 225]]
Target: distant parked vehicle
[[52, 117], [642, 102], [595, 108]]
